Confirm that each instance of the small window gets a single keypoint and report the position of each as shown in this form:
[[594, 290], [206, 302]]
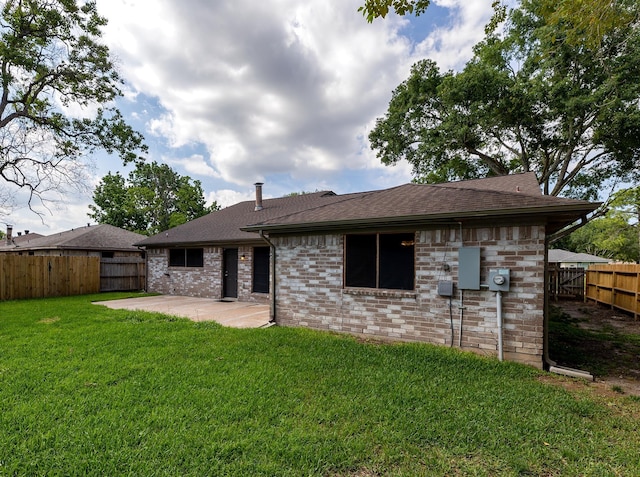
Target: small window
[[195, 257], [261, 270], [186, 257], [107, 254], [380, 261]]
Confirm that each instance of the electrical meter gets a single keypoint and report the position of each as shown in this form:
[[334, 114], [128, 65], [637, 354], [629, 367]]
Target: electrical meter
[[499, 279]]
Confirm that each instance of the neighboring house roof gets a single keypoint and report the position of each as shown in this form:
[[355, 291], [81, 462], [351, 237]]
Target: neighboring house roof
[[564, 256], [509, 197], [92, 237], [223, 226], [19, 239], [478, 201]]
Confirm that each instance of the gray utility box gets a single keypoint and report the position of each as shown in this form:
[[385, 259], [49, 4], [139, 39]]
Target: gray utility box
[[469, 268], [499, 279], [445, 288]]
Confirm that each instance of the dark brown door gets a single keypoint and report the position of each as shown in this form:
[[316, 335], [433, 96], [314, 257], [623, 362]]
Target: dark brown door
[[230, 273]]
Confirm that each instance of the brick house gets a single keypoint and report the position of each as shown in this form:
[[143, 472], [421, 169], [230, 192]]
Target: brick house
[[414, 262]]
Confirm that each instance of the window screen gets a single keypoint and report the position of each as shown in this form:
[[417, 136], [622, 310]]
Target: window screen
[[261, 269], [176, 257], [195, 257], [360, 258], [186, 257], [380, 261]]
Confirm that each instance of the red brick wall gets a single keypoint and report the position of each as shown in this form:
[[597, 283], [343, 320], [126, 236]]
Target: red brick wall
[[310, 292]]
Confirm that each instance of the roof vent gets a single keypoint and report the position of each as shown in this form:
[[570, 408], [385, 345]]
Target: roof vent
[[258, 195]]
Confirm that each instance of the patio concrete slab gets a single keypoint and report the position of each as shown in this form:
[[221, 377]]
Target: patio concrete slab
[[234, 314]]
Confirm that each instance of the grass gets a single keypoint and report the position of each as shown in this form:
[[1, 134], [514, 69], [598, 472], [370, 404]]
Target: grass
[[85, 390]]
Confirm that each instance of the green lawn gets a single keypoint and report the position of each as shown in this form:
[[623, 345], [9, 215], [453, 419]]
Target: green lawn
[[85, 390]]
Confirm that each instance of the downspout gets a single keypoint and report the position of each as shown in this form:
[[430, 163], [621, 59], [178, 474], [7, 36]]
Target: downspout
[[461, 308], [499, 320], [272, 312], [547, 362]]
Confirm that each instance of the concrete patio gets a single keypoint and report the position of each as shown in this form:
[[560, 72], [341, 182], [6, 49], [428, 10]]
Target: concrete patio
[[234, 314]]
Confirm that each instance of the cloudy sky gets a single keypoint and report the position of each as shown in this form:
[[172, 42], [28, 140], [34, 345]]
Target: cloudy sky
[[285, 92]]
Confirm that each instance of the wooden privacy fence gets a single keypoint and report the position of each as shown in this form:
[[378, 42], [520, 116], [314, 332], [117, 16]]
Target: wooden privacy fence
[[566, 282], [40, 276], [615, 285], [122, 274]]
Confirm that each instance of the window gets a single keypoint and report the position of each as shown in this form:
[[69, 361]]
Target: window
[[261, 269], [107, 254], [380, 261], [186, 257]]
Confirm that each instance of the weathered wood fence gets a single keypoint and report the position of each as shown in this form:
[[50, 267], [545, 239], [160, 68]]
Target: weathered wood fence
[[122, 274], [617, 285], [566, 282], [38, 277]]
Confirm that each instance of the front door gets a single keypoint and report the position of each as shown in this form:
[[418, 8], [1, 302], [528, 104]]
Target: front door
[[230, 273]]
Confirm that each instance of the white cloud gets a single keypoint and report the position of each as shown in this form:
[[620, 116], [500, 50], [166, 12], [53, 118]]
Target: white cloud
[[195, 165], [450, 45], [227, 197], [234, 91], [269, 87]]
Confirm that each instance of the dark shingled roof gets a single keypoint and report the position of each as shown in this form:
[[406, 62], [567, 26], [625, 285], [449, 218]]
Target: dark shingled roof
[[510, 197], [19, 239], [93, 237], [223, 226]]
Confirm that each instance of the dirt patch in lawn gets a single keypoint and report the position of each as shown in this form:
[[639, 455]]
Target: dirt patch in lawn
[[597, 339]]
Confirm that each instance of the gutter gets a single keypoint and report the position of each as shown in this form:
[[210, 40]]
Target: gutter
[[272, 311]]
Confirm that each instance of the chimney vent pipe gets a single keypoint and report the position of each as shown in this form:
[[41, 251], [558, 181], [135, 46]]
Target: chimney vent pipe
[[9, 234], [258, 195]]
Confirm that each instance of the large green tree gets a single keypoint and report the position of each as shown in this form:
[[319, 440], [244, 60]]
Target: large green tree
[[590, 20], [616, 235], [153, 199], [58, 86], [527, 101]]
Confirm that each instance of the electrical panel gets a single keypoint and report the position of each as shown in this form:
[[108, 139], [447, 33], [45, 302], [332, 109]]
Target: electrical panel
[[499, 279], [469, 268], [445, 288]]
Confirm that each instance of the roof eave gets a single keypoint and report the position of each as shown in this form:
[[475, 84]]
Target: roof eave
[[577, 210]]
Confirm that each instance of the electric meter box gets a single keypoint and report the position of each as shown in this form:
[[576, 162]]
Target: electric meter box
[[499, 279]]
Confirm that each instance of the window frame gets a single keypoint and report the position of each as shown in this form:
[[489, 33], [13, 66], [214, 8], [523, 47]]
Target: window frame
[[359, 275], [192, 257]]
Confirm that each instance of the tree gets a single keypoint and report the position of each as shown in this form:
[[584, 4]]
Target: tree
[[591, 20], [380, 8], [615, 235], [52, 63], [527, 101], [153, 199]]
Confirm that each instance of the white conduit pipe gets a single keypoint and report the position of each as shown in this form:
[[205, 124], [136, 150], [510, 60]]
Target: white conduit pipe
[[499, 319]]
